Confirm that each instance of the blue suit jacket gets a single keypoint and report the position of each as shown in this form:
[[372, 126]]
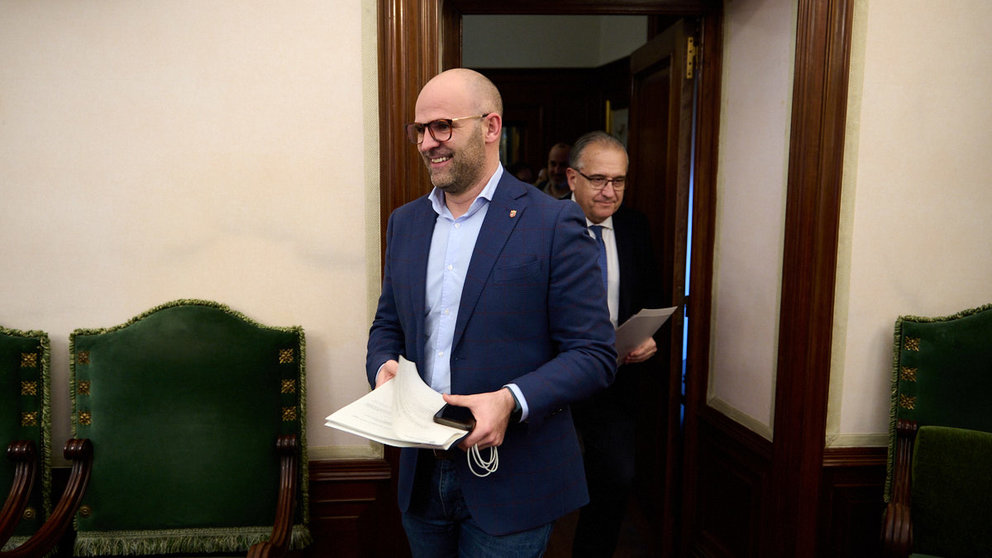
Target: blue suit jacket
[[533, 312]]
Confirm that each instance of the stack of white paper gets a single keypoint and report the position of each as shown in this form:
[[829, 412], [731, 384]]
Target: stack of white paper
[[398, 413]]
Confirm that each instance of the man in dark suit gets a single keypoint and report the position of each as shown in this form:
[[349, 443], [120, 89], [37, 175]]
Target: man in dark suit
[[491, 288], [606, 422]]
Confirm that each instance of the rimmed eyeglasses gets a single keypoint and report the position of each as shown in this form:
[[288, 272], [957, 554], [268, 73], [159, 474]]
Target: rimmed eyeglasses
[[598, 181], [439, 129]]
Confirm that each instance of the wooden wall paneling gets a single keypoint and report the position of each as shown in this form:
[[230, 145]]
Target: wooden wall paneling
[[554, 104], [851, 502], [816, 152], [731, 495], [349, 500]]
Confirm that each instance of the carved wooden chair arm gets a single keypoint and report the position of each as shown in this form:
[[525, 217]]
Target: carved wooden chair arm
[[25, 456], [80, 452], [897, 526], [897, 531], [282, 530]]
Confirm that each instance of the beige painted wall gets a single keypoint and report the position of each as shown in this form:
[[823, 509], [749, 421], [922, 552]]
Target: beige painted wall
[[223, 150], [917, 206]]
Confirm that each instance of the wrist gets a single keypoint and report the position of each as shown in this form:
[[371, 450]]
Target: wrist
[[517, 411]]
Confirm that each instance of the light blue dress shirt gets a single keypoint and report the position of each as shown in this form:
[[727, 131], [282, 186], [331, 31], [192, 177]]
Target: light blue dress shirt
[[451, 252]]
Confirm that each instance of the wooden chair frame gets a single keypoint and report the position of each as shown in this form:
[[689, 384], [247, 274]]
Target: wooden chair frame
[[24, 454], [897, 524], [80, 452], [278, 544]]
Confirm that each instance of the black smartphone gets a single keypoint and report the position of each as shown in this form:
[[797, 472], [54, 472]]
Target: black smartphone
[[458, 417]]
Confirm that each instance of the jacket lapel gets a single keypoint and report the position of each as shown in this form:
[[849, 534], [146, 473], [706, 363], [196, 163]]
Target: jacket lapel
[[505, 211]]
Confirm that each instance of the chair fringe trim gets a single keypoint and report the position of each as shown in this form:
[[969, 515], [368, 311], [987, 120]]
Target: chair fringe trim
[[14, 542], [136, 543]]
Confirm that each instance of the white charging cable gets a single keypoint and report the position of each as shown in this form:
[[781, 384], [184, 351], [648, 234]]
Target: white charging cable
[[489, 466]]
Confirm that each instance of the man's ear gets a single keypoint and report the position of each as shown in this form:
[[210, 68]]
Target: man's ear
[[572, 177], [494, 127]]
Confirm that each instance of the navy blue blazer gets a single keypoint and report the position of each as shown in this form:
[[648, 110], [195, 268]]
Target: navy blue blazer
[[533, 312]]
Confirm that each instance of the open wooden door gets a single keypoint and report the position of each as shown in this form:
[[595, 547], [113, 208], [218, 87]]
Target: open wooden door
[[660, 147]]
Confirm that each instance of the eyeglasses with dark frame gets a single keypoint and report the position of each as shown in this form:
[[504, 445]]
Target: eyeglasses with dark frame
[[439, 129], [598, 181]]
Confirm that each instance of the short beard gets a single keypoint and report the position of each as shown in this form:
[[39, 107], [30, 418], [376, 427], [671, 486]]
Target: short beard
[[454, 180], [466, 166]]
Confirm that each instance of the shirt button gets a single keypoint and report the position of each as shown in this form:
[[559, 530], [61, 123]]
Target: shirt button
[[458, 225], [450, 267], [440, 353]]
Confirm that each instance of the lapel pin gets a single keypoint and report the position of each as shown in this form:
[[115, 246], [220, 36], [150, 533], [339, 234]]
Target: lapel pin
[[513, 213]]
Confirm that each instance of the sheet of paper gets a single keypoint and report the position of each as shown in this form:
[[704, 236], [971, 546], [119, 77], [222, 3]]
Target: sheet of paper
[[398, 413], [639, 327]]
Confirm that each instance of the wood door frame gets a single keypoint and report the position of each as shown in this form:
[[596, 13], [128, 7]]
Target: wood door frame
[[409, 34], [812, 223]]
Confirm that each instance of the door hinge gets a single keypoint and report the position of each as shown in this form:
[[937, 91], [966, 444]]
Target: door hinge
[[691, 57]]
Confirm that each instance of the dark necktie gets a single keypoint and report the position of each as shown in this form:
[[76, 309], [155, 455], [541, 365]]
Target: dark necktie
[[597, 231]]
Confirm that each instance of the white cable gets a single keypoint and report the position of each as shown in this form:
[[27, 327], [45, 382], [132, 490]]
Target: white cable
[[474, 457]]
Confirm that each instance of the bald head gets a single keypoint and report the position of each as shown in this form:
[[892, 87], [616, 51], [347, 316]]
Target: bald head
[[483, 95]]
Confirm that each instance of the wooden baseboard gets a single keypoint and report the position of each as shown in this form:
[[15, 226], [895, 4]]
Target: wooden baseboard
[[851, 502], [353, 510]]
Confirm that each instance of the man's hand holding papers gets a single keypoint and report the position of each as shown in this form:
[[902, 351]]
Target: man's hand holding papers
[[632, 334], [399, 412]]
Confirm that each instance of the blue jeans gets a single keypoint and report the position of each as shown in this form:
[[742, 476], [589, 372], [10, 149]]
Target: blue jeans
[[439, 525]]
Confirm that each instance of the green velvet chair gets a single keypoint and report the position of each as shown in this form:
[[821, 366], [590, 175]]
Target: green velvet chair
[[29, 526], [25, 434], [939, 486], [196, 416]]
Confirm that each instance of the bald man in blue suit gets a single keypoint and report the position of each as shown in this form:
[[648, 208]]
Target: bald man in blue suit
[[493, 290]]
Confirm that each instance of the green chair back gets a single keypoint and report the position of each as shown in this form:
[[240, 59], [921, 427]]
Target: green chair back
[[25, 415], [183, 405], [942, 372], [941, 381]]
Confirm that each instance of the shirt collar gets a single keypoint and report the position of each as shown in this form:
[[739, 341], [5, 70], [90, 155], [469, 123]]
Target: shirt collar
[[607, 223], [437, 196]]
